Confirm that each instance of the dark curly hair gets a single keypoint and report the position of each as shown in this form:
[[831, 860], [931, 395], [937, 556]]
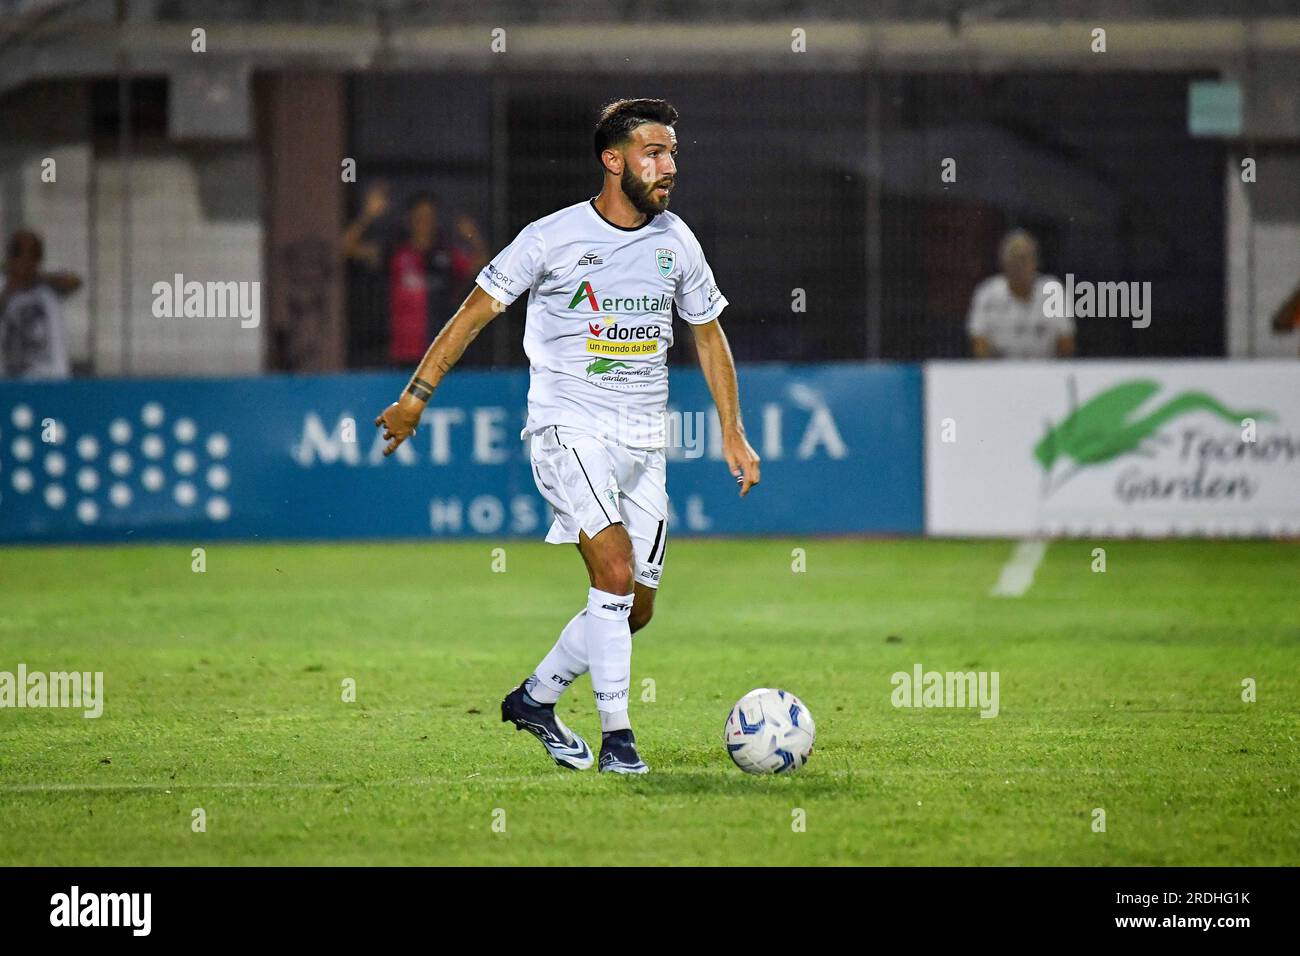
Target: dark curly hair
[[619, 118]]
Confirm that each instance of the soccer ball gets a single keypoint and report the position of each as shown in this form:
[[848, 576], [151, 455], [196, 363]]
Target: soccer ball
[[769, 731]]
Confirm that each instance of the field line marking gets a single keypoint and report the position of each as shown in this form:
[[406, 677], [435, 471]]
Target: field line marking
[[1018, 573], [20, 788]]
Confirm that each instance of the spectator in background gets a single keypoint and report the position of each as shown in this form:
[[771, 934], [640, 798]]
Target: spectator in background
[[427, 275], [1008, 316], [33, 338]]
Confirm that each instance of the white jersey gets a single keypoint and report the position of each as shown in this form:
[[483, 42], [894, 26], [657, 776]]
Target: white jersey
[[1015, 328], [32, 336], [599, 321]]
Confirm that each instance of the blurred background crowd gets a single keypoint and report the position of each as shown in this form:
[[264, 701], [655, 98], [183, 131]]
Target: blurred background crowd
[[879, 180]]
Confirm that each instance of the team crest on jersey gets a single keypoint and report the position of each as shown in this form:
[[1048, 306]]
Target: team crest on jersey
[[666, 259]]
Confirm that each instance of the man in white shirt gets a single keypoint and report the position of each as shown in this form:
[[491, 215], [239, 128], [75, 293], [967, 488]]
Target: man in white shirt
[[1008, 314], [33, 338], [602, 278]]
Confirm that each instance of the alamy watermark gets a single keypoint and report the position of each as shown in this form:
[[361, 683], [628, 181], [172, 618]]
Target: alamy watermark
[[922, 688], [670, 429], [179, 299], [1101, 300], [80, 690], [76, 908]]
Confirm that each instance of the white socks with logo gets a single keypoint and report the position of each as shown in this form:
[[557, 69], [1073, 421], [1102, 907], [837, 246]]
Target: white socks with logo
[[566, 662], [609, 653], [598, 639]]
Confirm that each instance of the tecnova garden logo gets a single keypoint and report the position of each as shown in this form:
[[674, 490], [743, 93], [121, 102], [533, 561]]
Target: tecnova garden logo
[[1181, 457]]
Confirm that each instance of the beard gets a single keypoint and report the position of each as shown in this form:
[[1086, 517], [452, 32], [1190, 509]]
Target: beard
[[641, 194]]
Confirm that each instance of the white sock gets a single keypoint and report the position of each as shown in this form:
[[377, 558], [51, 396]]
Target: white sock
[[614, 720], [565, 663], [609, 652]]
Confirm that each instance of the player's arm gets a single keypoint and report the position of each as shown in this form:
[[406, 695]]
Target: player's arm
[[351, 243], [63, 283], [399, 419], [976, 328], [720, 372], [476, 250]]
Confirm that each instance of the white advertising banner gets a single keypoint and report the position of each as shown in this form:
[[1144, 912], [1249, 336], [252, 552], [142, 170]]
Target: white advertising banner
[[1150, 448]]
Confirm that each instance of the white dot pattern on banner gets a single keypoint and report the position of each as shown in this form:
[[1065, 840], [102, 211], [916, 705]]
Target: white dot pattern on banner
[[218, 445], [159, 474], [184, 494], [87, 447]]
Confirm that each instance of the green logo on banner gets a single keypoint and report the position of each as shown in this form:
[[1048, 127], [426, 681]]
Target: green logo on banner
[[1104, 428]]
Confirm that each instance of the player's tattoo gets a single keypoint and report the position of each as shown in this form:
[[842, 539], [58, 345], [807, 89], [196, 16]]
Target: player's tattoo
[[420, 389]]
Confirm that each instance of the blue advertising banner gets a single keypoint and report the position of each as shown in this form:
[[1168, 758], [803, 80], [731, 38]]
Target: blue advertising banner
[[297, 457]]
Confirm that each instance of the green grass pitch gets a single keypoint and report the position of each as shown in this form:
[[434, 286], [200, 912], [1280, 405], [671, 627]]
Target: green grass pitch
[[1119, 690]]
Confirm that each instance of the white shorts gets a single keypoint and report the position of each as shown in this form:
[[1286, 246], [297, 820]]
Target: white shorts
[[592, 483]]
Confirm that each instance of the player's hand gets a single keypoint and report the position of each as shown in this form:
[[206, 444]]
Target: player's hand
[[467, 229], [398, 421], [376, 201], [742, 460]]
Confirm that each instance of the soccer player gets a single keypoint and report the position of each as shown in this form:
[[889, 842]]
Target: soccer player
[[602, 277]]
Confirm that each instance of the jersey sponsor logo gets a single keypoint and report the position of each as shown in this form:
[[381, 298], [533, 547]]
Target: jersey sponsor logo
[[601, 347], [499, 277], [613, 339], [665, 259], [607, 328], [623, 305], [687, 313], [585, 291], [603, 365], [591, 259]]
